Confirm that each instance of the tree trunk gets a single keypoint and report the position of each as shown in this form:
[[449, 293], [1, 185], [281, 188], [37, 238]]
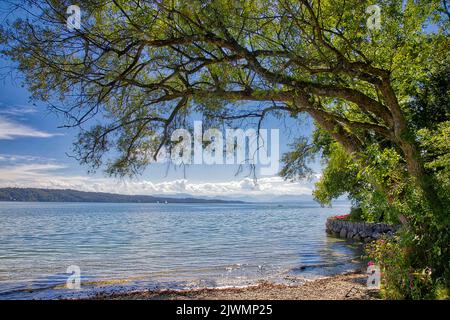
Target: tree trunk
[[417, 171], [406, 142]]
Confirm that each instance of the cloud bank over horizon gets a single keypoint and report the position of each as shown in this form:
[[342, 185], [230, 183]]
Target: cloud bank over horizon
[[34, 172]]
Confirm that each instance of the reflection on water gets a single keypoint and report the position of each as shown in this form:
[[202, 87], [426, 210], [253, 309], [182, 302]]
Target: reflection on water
[[133, 246]]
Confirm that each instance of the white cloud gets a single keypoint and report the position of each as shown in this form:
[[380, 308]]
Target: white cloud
[[27, 173], [10, 129], [18, 110], [17, 158]]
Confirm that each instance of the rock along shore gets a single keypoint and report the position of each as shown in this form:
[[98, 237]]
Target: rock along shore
[[360, 231]]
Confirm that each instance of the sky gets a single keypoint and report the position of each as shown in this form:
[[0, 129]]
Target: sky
[[35, 152]]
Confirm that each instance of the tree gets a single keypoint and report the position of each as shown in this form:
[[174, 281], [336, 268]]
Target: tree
[[428, 109], [415, 262], [145, 62]]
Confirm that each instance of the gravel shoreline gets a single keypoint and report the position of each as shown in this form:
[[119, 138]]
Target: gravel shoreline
[[350, 286]]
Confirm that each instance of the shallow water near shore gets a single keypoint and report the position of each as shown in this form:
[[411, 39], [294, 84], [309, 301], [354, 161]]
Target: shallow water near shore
[[124, 247]]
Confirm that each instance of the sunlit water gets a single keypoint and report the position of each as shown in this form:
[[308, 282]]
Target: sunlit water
[[149, 246]]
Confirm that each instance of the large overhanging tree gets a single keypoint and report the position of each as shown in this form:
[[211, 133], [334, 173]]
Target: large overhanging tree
[[144, 65]]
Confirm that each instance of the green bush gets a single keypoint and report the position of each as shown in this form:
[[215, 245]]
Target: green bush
[[401, 276], [356, 215]]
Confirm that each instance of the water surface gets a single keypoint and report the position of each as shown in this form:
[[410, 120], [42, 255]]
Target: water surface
[[134, 246]]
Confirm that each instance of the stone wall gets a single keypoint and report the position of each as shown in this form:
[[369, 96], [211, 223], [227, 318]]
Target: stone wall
[[360, 231]]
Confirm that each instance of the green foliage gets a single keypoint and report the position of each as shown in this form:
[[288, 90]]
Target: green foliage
[[356, 215], [430, 102], [399, 280], [415, 263], [345, 176], [436, 146], [296, 161], [338, 177]]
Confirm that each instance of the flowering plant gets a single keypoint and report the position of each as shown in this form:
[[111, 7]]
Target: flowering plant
[[341, 217]]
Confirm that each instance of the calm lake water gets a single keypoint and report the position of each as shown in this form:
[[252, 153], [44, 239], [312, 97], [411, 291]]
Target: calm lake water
[[135, 246]]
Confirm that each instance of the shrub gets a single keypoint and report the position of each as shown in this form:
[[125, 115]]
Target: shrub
[[403, 275]]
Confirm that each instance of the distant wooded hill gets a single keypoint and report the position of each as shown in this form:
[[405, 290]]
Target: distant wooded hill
[[68, 195]]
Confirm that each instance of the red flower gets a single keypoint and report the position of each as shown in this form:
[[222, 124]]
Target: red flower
[[341, 217]]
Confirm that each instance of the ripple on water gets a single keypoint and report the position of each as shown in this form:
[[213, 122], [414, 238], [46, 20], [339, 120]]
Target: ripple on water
[[163, 246]]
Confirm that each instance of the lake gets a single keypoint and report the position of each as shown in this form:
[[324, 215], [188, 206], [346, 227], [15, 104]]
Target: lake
[[134, 246]]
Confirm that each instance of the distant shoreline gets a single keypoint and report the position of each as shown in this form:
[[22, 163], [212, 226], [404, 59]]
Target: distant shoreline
[[113, 202], [69, 195]]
